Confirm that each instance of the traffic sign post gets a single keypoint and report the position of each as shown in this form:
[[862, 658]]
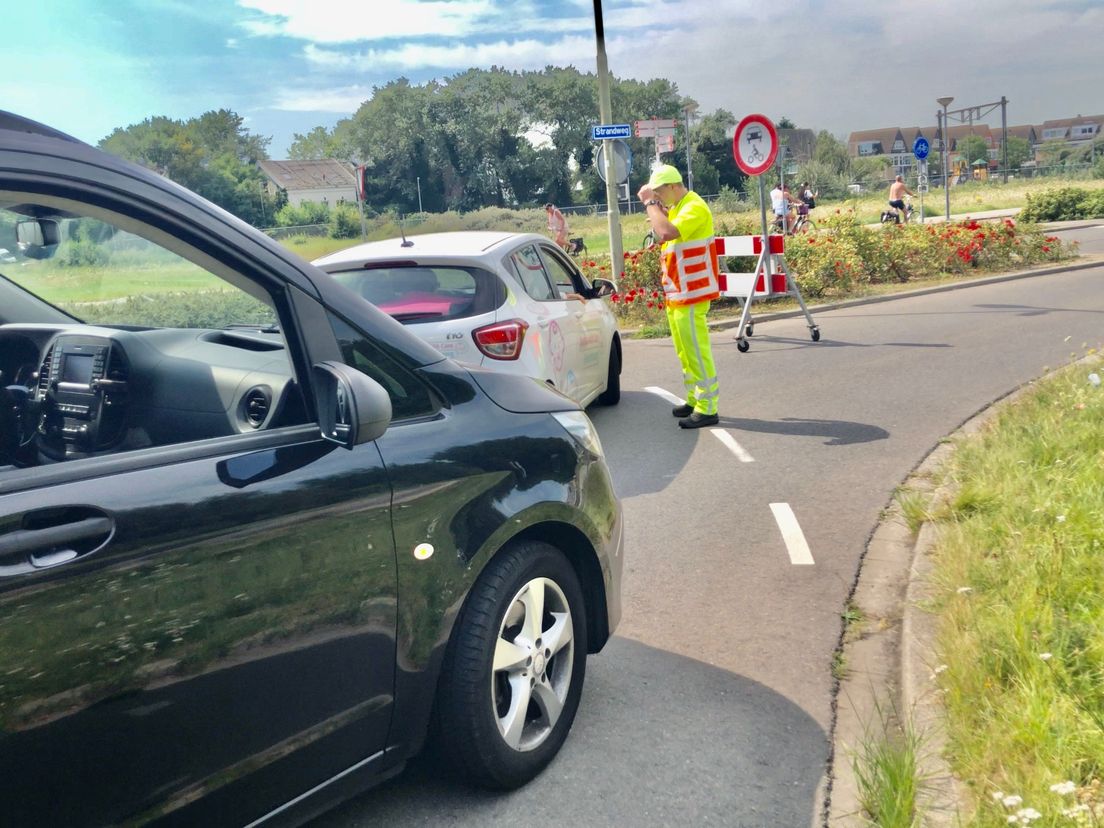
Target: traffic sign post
[[921, 148], [622, 160], [663, 130], [755, 146]]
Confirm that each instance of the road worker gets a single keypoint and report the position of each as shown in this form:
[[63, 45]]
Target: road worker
[[683, 223]]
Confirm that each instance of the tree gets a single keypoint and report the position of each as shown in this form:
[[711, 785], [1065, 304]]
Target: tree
[[785, 123], [831, 152], [314, 146], [214, 155], [971, 148], [1018, 150]]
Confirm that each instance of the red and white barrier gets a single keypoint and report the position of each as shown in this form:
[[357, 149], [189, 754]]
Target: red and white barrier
[[771, 278]]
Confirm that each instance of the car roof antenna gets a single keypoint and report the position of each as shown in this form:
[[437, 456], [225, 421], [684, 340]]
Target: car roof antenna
[[405, 241]]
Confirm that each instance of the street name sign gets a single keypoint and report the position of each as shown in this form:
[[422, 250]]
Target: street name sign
[[604, 132]]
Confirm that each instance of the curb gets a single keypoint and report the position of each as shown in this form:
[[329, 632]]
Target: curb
[[1084, 263], [892, 659], [1088, 262]]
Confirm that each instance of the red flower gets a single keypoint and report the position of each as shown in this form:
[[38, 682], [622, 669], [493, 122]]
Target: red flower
[[1046, 248], [616, 297], [625, 255], [651, 304]]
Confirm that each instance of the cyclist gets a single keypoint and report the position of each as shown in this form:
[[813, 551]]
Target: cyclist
[[897, 191], [782, 203]]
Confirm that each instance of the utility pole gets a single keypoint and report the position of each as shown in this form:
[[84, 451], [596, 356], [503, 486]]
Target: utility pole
[[419, 182], [945, 146], [605, 113], [689, 169]]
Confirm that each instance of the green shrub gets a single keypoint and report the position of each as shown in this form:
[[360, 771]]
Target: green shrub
[[206, 309], [344, 222], [308, 212], [1064, 204], [81, 253]]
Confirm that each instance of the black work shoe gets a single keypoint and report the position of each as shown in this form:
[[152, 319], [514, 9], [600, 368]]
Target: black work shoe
[[699, 420], [683, 410]]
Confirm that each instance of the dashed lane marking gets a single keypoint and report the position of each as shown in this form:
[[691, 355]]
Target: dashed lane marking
[[731, 444], [663, 392], [794, 538]]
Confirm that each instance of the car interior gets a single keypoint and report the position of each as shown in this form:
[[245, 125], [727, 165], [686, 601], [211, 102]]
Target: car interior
[[100, 353]]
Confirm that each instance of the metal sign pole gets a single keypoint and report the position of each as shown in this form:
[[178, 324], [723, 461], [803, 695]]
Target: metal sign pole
[[766, 232]]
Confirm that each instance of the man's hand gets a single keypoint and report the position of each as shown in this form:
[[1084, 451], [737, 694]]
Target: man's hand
[[646, 193]]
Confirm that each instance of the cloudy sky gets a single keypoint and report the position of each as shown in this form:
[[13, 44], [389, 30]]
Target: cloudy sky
[[88, 66]]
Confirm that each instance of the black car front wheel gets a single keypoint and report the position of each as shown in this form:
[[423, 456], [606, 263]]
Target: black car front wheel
[[514, 671]]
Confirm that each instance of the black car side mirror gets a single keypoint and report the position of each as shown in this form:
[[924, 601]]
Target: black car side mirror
[[603, 287], [352, 407], [37, 239]]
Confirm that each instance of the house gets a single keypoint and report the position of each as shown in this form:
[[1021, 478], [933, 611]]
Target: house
[[800, 144], [1073, 131], [326, 181], [893, 142]]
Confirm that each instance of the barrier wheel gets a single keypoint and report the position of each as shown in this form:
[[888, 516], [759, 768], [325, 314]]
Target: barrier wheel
[[816, 334], [749, 329], [743, 346]]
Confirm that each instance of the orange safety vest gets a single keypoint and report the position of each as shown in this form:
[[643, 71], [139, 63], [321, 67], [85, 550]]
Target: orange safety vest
[[690, 272]]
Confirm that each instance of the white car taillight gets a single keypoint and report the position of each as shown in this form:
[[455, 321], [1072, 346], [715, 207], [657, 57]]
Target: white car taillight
[[502, 340]]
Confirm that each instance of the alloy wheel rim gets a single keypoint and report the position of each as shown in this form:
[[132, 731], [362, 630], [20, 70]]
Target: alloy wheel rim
[[532, 666]]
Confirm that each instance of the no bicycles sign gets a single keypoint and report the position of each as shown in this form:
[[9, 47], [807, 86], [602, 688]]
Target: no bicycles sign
[[755, 144]]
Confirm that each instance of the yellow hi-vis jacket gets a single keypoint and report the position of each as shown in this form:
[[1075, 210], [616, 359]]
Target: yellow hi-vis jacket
[[690, 272]]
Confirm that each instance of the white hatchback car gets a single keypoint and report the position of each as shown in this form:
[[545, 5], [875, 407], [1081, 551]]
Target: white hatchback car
[[510, 301]]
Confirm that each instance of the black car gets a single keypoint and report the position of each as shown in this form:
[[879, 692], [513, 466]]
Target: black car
[[257, 541]]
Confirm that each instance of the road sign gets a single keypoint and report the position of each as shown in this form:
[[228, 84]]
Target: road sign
[[755, 144], [921, 148], [604, 132], [665, 143], [655, 127], [622, 160]]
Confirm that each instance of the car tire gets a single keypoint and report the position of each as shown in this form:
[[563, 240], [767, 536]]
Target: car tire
[[612, 394], [510, 682]]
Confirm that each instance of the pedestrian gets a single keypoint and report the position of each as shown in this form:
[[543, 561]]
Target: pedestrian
[[808, 195], [557, 224], [683, 223]]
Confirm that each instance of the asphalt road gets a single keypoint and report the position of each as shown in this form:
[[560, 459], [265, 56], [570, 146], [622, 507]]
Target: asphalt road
[[712, 706]]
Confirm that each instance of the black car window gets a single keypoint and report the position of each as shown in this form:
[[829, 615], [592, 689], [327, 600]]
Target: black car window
[[564, 277], [143, 341], [420, 293], [410, 397], [530, 271]]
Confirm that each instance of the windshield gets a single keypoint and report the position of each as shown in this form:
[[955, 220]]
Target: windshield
[[101, 274], [416, 293]]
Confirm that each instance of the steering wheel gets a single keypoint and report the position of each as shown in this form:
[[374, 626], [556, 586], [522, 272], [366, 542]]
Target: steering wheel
[[14, 411]]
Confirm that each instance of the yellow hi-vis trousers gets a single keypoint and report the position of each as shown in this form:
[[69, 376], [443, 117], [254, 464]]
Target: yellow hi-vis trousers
[[691, 338]]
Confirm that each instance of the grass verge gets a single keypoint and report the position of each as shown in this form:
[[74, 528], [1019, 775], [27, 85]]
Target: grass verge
[[1019, 585], [887, 771]]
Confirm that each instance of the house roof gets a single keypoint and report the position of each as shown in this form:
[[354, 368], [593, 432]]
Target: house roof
[[885, 136], [1028, 131], [1080, 120], [309, 175]]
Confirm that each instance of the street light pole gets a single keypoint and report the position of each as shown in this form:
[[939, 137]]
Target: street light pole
[[689, 169], [605, 113], [943, 102], [419, 182]]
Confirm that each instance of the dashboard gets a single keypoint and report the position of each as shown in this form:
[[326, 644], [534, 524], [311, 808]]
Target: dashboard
[[78, 390]]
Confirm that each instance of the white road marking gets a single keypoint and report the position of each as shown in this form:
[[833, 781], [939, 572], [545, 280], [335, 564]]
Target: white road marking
[[667, 395], [732, 445], [794, 538]]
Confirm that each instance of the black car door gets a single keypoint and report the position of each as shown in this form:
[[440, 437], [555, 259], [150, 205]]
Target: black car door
[[198, 624]]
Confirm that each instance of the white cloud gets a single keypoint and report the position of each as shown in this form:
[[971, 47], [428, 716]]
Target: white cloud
[[321, 22], [512, 54], [345, 100]]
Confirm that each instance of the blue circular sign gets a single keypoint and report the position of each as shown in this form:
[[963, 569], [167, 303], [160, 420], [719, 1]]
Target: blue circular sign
[[920, 148]]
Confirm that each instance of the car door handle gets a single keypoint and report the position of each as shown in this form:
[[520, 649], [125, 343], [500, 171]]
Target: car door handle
[[26, 550], [543, 323]]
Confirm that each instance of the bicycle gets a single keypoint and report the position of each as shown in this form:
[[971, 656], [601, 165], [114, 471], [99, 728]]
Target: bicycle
[[649, 240], [892, 216]]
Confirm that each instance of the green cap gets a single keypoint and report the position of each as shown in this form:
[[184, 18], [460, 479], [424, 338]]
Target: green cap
[[664, 174]]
